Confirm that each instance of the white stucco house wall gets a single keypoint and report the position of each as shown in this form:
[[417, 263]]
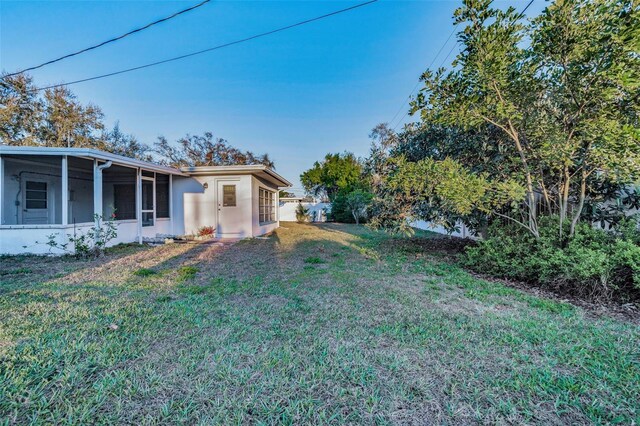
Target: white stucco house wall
[[45, 191]]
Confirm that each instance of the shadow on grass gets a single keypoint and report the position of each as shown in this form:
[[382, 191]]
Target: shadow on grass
[[368, 331]]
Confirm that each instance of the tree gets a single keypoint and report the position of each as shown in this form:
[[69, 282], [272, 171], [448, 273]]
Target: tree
[[554, 104], [285, 194], [587, 54], [441, 192], [67, 123], [205, 150], [21, 112], [55, 118], [121, 143], [337, 172], [357, 202]]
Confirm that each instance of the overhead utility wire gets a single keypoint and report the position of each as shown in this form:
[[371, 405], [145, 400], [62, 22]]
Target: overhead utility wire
[[418, 83], [445, 59], [199, 52], [110, 40]]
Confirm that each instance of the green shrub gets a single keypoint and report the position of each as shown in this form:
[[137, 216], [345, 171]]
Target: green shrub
[[302, 213], [339, 210], [593, 263]]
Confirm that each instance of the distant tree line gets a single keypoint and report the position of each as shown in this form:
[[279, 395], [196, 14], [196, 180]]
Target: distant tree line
[[55, 118]]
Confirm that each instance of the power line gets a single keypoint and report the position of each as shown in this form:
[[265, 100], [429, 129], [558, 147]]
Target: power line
[[526, 7], [418, 83], [110, 40], [199, 52], [520, 15]]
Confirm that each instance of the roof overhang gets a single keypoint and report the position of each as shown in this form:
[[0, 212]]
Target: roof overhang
[[90, 154], [258, 170]]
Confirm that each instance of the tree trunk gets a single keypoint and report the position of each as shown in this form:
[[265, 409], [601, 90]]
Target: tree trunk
[[531, 198], [563, 194], [578, 212]]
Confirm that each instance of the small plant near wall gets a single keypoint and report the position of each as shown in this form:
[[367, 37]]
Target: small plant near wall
[[302, 213], [90, 244], [206, 231]]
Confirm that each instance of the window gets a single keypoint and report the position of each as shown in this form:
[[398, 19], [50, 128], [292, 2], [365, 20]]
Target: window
[[162, 196], [266, 206], [228, 195], [36, 195]]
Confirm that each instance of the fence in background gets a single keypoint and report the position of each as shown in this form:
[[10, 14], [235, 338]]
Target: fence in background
[[317, 211]]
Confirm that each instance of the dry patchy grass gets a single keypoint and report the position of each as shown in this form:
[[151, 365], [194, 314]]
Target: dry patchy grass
[[317, 324]]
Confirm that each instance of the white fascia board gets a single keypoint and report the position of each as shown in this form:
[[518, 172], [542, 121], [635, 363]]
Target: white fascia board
[[89, 153], [258, 170]]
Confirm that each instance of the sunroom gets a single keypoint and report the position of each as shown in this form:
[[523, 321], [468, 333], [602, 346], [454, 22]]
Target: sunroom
[[63, 191]]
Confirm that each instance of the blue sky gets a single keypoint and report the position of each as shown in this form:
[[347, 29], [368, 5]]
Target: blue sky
[[297, 94]]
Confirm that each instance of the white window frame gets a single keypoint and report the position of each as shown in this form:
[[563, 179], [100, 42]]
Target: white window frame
[[50, 200], [263, 217]]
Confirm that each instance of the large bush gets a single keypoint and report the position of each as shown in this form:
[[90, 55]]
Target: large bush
[[593, 263], [351, 206], [339, 209]]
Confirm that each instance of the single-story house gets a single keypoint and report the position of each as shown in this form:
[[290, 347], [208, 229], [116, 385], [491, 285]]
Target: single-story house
[[59, 191]]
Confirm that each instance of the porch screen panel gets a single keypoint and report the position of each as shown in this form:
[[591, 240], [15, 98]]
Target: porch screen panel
[[162, 196], [124, 201], [80, 206], [119, 192], [32, 190]]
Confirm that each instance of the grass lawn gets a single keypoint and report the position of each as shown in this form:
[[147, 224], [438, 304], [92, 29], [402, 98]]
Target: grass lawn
[[317, 324]]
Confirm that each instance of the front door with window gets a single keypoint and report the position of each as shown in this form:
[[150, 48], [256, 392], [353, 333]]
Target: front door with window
[[36, 203], [229, 212]]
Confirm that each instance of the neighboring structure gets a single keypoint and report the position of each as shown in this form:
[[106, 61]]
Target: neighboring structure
[[59, 191], [317, 211]]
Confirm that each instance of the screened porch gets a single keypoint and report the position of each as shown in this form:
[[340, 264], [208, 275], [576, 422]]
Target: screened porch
[[67, 193]]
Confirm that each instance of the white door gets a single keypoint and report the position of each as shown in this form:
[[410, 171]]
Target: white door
[[36, 202], [229, 210]]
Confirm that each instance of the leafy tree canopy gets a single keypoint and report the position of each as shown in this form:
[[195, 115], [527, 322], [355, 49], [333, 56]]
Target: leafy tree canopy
[[55, 118], [205, 150], [550, 105], [337, 172]]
